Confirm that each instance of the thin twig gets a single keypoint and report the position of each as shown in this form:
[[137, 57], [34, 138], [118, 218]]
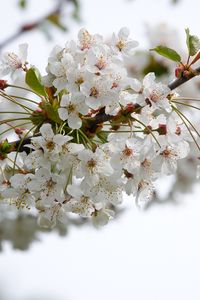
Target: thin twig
[[33, 25]]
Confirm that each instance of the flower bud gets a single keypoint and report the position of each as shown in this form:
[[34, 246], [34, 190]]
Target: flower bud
[[3, 84], [179, 71]]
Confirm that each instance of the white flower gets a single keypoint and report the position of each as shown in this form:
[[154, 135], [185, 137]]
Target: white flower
[[169, 155], [98, 91], [71, 108], [143, 140], [50, 143], [68, 158], [105, 191], [98, 59], [176, 130], [101, 216], [13, 63], [48, 216], [47, 186], [61, 70], [86, 40], [151, 93], [19, 189], [127, 155], [92, 164], [122, 43], [144, 194], [76, 78], [36, 159], [155, 94], [79, 203]]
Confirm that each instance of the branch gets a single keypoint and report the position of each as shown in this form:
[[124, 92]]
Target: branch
[[176, 83], [102, 117], [30, 26], [173, 85]]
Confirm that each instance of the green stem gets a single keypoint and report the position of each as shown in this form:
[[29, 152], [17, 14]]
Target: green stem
[[185, 104], [7, 97], [13, 127], [12, 120], [150, 131], [25, 99], [186, 98], [182, 118], [25, 89], [88, 142], [15, 112]]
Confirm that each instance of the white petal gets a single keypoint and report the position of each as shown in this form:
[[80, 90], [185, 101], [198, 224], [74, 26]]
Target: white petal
[[23, 48], [46, 131], [65, 100], [74, 190], [60, 139], [74, 121], [63, 113], [93, 102], [149, 79], [123, 33], [135, 84]]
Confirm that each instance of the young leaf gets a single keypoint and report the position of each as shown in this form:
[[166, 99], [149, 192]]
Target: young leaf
[[33, 79], [193, 42], [52, 113], [167, 52]]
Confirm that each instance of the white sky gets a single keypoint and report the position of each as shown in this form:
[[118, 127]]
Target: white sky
[[152, 255]]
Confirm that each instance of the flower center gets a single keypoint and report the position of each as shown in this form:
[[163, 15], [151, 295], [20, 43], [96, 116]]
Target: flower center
[[127, 151], [101, 64], [155, 96], [146, 163], [50, 145], [79, 81], [91, 163], [120, 45], [94, 92], [71, 108], [50, 184]]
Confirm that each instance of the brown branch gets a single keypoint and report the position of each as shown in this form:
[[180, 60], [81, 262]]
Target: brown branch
[[32, 25], [102, 117], [173, 85], [176, 83]]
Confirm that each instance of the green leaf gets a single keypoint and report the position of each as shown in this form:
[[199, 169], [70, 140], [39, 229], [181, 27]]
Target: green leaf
[[193, 42], [5, 148], [55, 20], [22, 3], [33, 79], [167, 52], [52, 113]]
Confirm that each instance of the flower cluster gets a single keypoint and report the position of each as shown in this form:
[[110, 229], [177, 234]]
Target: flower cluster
[[97, 134]]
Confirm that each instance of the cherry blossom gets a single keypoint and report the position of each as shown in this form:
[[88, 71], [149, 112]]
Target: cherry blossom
[[12, 63], [98, 131]]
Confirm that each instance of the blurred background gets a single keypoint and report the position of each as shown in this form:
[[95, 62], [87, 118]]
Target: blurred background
[[151, 254]]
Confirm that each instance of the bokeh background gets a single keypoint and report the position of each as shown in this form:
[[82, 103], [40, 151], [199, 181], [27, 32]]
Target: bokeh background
[[152, 254]]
